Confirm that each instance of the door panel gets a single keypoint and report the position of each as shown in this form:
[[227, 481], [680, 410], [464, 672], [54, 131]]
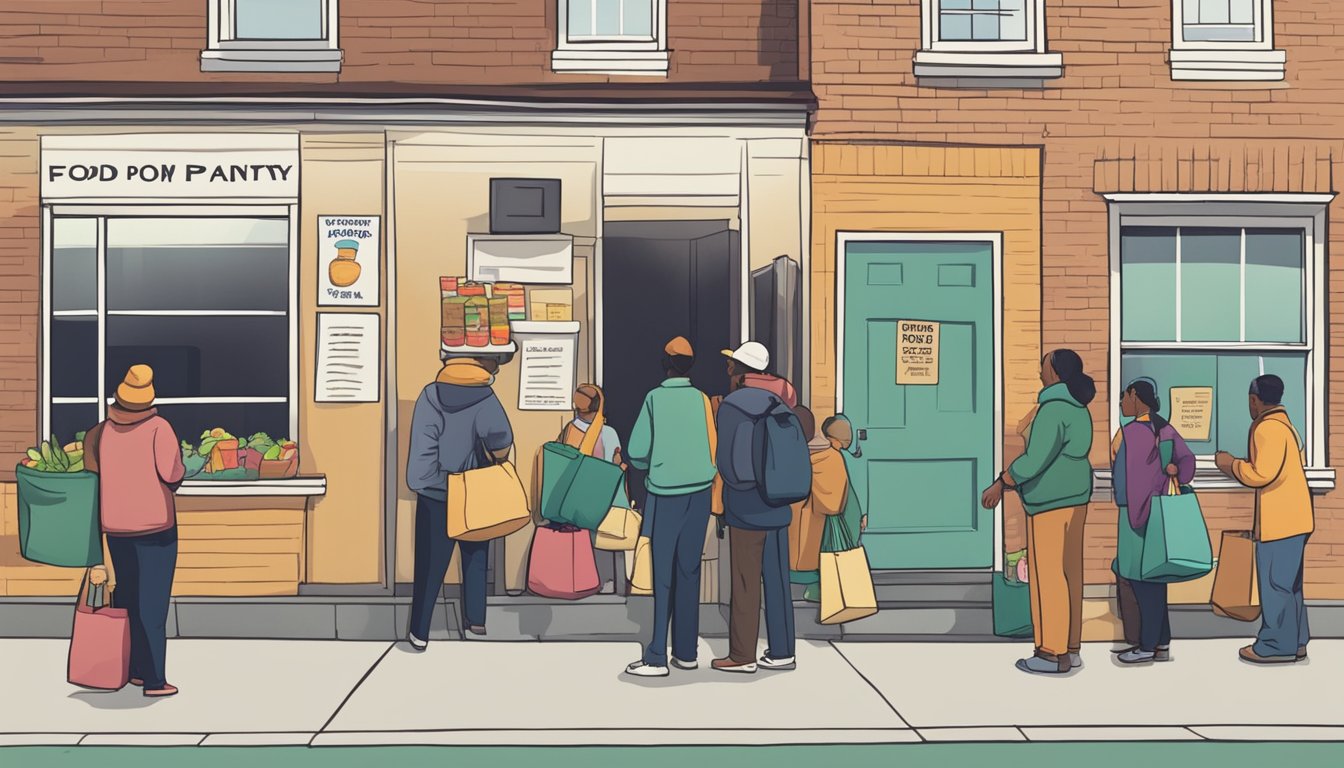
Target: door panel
[[929, 448]]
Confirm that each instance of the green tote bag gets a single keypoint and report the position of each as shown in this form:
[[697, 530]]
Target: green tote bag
[[576, 488], [58, 518], [1012, 608], [1176, 541]]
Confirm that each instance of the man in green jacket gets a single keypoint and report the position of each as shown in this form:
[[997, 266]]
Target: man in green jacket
[[674, 441], [1054, 478]]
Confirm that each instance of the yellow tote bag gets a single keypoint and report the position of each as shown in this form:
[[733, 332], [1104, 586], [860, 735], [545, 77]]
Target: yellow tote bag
[[619, 531], [486, 503], [641, 581], [847, 592]]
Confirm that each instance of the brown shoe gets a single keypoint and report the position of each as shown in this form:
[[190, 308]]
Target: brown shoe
[[728, 665], [1249, 655], [158, 693]]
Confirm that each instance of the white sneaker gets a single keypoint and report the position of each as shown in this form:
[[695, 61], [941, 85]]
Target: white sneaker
[[788, 662], [686, 665], [416, 643], [640, 669]]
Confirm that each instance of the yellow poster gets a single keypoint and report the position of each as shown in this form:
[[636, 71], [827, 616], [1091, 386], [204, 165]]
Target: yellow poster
[[916, 352], [1192, 412]]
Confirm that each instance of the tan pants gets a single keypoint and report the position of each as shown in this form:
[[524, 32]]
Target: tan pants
[[1055, 578]]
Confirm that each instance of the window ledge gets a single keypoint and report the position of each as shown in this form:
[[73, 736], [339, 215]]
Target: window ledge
[[1227, 64], [1319, 479], [609, 62], [312, 485], [271, 60], [967, 65]]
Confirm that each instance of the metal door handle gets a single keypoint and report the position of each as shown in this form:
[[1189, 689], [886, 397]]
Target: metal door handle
[[863, 434]]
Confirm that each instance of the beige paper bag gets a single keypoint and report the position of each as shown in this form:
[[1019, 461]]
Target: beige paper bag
[[1236, 587], [846, 587]]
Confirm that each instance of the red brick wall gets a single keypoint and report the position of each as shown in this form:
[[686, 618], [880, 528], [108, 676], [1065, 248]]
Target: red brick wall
[[19, 286], [1116, 100], [446, 42]]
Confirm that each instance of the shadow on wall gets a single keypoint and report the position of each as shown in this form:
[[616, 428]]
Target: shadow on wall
[[777, 38]]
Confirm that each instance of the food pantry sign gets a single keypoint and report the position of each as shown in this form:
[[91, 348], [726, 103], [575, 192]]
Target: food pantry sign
[[170, 166], [347, 259], [916, 352]]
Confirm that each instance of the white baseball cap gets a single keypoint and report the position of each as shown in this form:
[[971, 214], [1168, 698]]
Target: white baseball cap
[[753, 354]]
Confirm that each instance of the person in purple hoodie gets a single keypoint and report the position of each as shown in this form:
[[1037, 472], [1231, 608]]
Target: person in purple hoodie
[[1149, 457]]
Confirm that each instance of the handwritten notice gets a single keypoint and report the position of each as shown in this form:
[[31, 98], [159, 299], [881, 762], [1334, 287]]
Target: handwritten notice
[[1192, 412], [347, 259], [546, 379], [916, 352], [347, 358]]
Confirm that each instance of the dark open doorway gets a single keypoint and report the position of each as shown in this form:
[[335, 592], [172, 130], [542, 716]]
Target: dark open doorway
[[662, 279]]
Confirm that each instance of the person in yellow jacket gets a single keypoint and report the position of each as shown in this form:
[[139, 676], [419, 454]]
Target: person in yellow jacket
[[1283, 523], [830, 481]]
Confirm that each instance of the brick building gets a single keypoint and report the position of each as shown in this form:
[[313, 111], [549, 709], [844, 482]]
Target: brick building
[[1147, 182], [172, 174]]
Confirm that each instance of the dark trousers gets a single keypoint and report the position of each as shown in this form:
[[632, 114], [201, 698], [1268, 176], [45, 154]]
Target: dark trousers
[[760, 558], [1129, 610], [1283, 609], [433, 553], [677, 536], [144, 569], [1154, 618]]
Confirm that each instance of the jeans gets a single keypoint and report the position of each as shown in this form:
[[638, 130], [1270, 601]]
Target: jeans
[[677, 537], [760, 557], [144, 568], [433, 553], [1154, 619], [1283, 611]]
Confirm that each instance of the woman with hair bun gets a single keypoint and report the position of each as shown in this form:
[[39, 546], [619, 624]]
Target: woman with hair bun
[[1148, 457], [1054, 479]]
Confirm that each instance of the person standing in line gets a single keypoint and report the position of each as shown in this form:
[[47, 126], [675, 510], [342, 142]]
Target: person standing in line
[[830, 490], [590, 411], [759, 541], [752, 362], [1054, 478], [1284, 521], [458, 425], [1148, 457], [673, 440], [138, 460]]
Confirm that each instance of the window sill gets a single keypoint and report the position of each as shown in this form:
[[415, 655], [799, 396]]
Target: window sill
[[988, 66], [312, 485], [1319, 479], [1226, 65], [598, 62], [261, 60]]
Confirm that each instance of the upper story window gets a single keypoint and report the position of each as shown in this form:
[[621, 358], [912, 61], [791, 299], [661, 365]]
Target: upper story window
[[1224, 40], [620, 37], [972, 40], [272, 36]]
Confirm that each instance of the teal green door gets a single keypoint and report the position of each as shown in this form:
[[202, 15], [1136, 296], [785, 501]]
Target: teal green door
[[928, 449]]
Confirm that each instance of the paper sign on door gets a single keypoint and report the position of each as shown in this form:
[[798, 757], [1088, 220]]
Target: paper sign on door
[[1192, 412], [916, 352]]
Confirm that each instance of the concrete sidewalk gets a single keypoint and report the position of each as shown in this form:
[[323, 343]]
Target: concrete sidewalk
[[238, 692]]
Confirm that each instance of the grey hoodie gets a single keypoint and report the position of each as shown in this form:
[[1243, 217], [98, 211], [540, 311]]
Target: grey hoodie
[[450, 425]]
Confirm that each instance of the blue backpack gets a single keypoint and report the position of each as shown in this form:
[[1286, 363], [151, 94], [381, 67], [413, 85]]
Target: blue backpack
[[780, 458]]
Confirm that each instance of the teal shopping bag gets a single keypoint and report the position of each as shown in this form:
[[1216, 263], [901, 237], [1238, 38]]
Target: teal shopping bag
[[576, 488], [1176, 541], [58, 518], [1012, 608]]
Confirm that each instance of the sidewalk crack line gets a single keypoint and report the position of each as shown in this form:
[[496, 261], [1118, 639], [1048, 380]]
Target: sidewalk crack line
[[351, 694], [876, 690]]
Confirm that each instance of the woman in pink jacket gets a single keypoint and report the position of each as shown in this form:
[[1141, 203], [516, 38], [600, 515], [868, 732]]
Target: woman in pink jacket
[[139, 466]]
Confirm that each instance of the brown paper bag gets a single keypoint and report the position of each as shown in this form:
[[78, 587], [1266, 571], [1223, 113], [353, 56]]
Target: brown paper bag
[[1236, 587], [641, 580], [846, 587]]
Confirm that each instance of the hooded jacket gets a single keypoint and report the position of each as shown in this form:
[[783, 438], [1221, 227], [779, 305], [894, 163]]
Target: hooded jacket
[[1274, 469], [457, 420], [1055, 472], [138, 461], [743, 505]]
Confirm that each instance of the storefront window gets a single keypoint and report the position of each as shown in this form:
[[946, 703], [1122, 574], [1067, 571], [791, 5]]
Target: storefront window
[[204, 301], [1216, 307]]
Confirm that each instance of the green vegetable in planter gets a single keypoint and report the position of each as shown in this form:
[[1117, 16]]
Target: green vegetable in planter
[[272, 453]]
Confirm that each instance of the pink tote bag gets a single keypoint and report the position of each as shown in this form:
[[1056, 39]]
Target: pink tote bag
[[100, 642], [562, 564]]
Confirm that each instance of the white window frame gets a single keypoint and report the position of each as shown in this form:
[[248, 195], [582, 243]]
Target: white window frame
[[225, 53], [1219, 60], [101, 213], [611, 55], [1295, 211], [980, 59]]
